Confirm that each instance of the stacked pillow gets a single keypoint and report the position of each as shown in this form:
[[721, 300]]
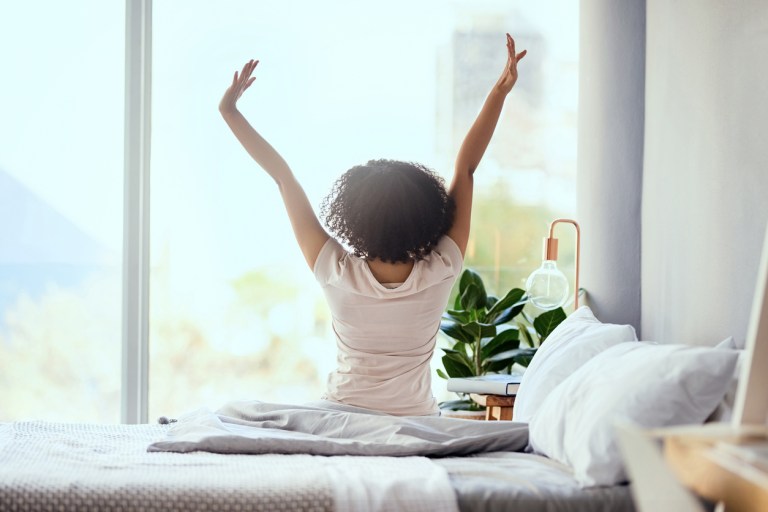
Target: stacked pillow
[[577, 339], [602, 375], [724, 409]]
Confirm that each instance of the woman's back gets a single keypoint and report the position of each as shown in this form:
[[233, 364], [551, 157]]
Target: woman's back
[[386, 336]]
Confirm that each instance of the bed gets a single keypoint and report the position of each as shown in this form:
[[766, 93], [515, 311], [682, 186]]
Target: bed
[[252, 455], [60, 466], [325, 457], [561, 454]]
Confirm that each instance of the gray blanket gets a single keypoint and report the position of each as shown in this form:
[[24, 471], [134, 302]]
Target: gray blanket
[[333, 429]]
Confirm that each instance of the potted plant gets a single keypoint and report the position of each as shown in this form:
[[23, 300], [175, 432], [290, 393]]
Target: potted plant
[[488, 334]]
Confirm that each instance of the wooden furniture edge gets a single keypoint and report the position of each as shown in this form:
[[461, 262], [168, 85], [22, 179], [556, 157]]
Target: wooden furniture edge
[[497, 407], [700, 460]]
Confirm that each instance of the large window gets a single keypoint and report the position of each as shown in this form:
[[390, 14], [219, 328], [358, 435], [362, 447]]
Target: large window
[[234, 311], [61, 178]]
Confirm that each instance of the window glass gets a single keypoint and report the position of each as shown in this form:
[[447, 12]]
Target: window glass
[[235, 312], [61, 178]]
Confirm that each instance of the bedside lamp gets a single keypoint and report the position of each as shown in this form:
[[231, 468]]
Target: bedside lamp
[[547, 286]]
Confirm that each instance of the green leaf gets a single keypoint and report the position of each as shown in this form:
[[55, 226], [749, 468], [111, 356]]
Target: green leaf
[[509, 313], [511, 354], [524, 360], [455, 366], [459, 355], [546, 322], [479, 330], [458, 315], [472, 298], [465, 279], [491, 301], [441, 374], [456, 331], [468, 277], [461, 358], [505, 340], [512, 297], [498, 366], [504, 359]]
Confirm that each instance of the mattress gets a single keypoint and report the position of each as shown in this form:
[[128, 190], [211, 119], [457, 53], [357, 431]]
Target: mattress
[[60, 466]]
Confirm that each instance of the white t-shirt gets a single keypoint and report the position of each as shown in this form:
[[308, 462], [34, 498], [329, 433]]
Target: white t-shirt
[[386, 336]]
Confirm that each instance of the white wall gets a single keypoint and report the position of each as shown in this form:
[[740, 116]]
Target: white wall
[[705, 177]]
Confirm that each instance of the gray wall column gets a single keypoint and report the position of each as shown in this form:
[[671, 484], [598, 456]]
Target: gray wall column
[[610, 161]]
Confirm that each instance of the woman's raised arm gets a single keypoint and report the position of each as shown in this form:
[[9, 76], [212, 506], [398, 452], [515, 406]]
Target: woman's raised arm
[[474, 146], [306, 227]]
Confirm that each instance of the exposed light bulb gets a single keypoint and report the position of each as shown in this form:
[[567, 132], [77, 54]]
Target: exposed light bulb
[[547, 287]]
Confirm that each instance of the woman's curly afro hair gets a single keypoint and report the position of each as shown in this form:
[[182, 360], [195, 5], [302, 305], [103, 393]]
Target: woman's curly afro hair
[[389, 210]]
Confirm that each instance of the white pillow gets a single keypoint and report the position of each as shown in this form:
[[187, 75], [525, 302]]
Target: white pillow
[[647, 384], [576, 340], [724, 409]]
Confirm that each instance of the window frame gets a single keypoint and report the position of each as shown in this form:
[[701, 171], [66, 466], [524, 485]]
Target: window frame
[[134, 406]]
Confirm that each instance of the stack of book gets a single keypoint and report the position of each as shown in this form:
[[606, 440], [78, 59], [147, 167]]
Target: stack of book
[[496, 384]]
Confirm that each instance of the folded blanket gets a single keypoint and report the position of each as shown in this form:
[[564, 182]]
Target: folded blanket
[[325, 428]]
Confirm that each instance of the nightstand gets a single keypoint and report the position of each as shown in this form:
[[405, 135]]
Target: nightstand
[[497, 407]]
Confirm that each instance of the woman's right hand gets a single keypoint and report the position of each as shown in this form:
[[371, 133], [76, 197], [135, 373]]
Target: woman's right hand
[[509, 75], [240, 83]]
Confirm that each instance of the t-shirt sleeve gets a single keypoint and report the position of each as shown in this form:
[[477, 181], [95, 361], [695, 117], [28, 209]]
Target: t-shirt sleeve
[[450, 253], [445, 262], [328, 263]]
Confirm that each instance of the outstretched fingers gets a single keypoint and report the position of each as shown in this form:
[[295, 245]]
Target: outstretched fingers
[[511, 52], [509, 75], [249, 82], [243, 79], [248, 69]]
